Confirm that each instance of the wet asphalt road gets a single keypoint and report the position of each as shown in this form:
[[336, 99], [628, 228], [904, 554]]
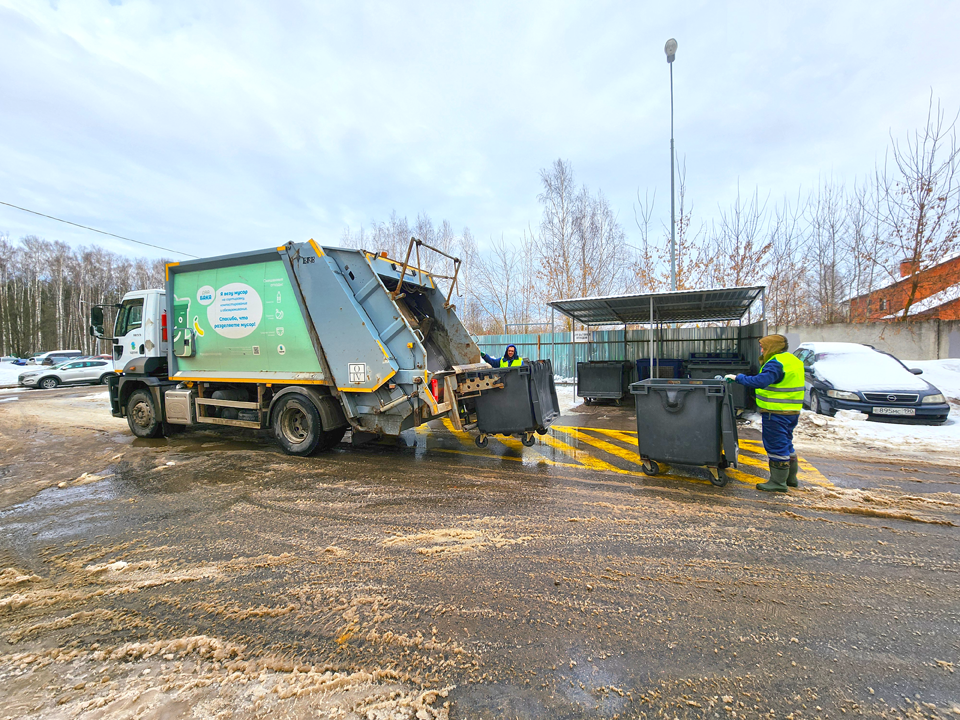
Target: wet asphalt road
[[551, 582]]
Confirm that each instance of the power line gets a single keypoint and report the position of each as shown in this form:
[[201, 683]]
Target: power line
[[102, 232]]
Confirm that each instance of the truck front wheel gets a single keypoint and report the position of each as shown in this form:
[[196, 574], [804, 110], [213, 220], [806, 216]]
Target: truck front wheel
[[296, 425], [142, 415]]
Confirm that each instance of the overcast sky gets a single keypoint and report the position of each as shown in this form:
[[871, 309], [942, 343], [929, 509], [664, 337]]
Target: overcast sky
[[215, 127]]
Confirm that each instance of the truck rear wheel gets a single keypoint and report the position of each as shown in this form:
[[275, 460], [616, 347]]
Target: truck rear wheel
[[296, 425], [142, 415]]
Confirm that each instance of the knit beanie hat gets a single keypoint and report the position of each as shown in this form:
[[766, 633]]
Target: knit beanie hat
[[772, 345]]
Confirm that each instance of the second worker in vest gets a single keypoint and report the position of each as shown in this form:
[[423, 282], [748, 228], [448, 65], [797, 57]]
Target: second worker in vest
[[779, 390], [510, 358]]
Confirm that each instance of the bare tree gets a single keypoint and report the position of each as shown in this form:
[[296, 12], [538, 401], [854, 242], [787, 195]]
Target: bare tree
[[920, 208], [580, 244], [826, 224], [645, 266], [693, 260], [739, 245], [787, 270]]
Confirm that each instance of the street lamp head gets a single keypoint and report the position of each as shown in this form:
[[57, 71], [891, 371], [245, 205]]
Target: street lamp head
[[670, 49]]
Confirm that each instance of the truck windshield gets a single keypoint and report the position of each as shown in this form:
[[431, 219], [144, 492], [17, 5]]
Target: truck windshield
[[130, 317]]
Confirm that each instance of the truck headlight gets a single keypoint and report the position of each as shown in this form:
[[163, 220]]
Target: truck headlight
[[842, 395], [937, 399]]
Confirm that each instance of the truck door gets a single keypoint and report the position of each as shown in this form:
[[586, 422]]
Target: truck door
[[128, 332]]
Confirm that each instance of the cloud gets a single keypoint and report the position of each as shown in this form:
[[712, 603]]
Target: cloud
[[225, 126]]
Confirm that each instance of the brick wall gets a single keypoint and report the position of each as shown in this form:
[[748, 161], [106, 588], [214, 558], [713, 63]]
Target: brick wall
[[881, 304]]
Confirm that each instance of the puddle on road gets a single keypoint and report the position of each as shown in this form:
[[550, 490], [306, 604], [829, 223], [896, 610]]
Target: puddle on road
[[60, 513]]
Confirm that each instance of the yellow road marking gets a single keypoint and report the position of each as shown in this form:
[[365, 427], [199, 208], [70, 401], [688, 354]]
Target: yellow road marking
[[464, 437], [588, 460], [584, 458], [518, 446], [744, 477], [754, 462], [631, 457]]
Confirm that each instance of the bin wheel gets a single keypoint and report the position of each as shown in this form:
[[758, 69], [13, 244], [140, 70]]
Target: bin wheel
[[618, 402], [541, 431], [482, 441], [718, 477], [653, 469], [528, 440]]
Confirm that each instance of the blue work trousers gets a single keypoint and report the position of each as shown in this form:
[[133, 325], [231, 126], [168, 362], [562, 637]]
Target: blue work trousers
[[778, 435]]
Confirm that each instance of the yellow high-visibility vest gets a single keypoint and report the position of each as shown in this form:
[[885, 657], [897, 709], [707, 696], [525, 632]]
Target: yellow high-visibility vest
[[511, 363], [786, 396]]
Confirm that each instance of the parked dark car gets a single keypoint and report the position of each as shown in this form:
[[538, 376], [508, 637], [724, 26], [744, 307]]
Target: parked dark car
[[849, 376]]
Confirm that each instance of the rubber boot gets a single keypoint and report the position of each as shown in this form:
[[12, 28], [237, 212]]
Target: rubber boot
[[779, 471], [794, 467]]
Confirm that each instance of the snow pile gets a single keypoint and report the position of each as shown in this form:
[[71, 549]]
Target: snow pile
[[850, 429], [944, 374], [566, 398], [10, 372]]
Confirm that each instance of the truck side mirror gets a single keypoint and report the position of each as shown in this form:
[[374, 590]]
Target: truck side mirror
[[96, 321]]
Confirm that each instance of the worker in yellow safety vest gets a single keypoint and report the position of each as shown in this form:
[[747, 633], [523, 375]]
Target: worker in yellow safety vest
[[779, 391], [510, 358]]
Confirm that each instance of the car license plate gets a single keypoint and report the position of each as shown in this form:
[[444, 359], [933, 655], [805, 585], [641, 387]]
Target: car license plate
[[894, 411]]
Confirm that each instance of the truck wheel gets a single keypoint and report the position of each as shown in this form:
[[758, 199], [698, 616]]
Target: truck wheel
[[142, 415], [48, 383], [296, 425]]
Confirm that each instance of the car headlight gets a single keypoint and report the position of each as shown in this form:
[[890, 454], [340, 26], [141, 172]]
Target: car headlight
[[842, 395], [937, 399]]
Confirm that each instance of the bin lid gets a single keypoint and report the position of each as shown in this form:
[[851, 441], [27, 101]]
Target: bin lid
[[713, 305]]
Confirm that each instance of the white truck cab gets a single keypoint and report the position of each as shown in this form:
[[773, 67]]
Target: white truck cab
[[141, 327]]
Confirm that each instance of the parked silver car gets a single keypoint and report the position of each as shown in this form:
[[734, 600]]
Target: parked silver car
[[83, 370]]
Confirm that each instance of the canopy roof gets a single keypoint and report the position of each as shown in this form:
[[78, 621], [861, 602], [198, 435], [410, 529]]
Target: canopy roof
[[684, 306]]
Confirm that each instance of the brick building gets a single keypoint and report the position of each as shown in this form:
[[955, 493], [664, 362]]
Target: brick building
[[937, 297]]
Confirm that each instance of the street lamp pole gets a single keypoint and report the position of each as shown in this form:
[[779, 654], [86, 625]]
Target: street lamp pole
[[671, 51]]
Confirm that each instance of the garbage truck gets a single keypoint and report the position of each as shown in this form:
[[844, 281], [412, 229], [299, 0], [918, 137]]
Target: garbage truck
[[305, 340]]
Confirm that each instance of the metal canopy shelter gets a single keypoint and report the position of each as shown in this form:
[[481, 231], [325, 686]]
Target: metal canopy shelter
[[685, 306], [655, 309]]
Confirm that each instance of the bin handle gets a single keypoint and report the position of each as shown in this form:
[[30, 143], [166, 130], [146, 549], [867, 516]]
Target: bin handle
[[677, 405]]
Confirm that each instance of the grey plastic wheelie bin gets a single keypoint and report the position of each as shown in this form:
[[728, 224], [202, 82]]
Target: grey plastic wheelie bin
[[704, 366], [686, 422], [603, 380], [527, 404]]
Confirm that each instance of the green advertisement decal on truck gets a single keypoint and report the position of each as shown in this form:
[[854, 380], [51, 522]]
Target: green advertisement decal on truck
[[243, 319]]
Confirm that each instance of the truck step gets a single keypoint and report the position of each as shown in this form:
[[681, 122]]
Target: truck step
[[235, 423]]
